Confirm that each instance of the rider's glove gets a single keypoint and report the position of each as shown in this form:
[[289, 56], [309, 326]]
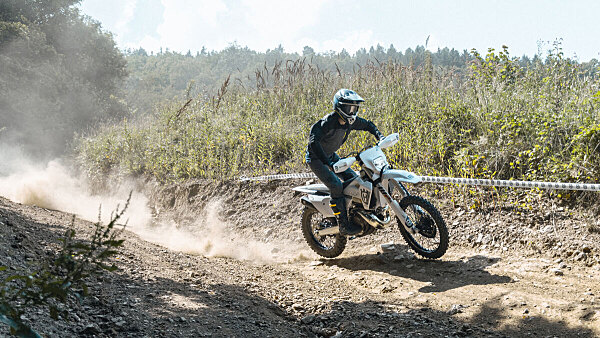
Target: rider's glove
[[330, 165]]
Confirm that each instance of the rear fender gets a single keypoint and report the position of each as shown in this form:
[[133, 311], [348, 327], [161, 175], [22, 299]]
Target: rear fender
[[320, 203]]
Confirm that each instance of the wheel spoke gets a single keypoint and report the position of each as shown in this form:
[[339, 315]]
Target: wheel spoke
[[319, 223]]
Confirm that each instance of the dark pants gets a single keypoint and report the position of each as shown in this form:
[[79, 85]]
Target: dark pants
[[329, 178]]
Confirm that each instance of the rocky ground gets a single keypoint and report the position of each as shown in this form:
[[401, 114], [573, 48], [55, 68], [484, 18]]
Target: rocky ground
[[228, 259]]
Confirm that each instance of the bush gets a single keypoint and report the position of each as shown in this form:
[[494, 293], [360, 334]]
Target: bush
[[65, 275]]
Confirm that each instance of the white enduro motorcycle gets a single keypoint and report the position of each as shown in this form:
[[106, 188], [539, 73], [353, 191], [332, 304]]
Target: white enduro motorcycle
[[371, 199]]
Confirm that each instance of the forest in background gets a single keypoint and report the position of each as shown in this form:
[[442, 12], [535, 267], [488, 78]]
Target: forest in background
[[221, 114], [154, 77], [60, 74]]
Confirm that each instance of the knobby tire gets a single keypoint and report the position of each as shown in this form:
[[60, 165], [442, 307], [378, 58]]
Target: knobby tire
[[439, 222], [307, 231]]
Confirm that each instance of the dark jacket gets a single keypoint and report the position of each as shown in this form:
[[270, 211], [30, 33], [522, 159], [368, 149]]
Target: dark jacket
[[327, 136]]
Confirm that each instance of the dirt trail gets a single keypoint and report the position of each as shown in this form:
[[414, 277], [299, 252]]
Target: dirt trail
[[499, 277]]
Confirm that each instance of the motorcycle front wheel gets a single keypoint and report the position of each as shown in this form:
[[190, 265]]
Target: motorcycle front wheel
[[431, 237], [328, 246]]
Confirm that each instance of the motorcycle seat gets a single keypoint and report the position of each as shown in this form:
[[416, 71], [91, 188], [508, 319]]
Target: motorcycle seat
[[319, 189]]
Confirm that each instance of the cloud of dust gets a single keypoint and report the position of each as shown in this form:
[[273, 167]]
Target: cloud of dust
[[212, 237], [39, 117], [54, 185]]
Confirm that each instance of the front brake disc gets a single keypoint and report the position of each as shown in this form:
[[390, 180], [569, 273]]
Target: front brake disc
[[426, 227]]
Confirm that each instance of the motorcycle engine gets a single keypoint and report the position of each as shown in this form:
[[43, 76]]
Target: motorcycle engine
[[367, 229]]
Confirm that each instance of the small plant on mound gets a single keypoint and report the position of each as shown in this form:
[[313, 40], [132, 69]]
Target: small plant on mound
[[66, 275]]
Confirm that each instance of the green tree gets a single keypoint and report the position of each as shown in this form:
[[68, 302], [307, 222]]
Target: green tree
[[308, 51], [60, 74]]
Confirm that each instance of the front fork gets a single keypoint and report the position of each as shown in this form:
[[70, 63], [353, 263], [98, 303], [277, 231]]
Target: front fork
[[406, 222]]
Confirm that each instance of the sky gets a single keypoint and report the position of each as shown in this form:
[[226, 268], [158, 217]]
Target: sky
[[527, 27]]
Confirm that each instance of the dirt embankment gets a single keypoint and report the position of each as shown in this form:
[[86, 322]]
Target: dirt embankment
[[231, 261], [261, 210]]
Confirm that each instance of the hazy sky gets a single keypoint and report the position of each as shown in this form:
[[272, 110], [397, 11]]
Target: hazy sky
[[325, 25]]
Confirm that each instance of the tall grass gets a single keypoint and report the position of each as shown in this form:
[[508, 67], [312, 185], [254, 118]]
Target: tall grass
[[499, 120]]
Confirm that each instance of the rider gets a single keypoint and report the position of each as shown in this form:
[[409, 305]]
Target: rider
[[326, 137]]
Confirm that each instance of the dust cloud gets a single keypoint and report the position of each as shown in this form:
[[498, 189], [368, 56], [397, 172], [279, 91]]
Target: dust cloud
[[54, 185], [212, 237]]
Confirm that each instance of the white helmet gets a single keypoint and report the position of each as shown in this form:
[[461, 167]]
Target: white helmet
[[346, 103]]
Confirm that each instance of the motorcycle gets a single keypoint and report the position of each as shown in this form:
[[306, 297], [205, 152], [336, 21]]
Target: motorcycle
[[372, 198]]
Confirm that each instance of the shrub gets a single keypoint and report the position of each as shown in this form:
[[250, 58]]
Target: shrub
[[66, 274]]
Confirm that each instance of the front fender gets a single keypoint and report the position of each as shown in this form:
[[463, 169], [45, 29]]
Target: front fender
[[401, 176]]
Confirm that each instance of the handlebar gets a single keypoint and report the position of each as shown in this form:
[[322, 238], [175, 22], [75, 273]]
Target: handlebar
[[345, 163]]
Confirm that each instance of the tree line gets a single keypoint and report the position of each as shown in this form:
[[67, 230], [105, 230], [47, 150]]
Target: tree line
[[60, 73], [166, 74]]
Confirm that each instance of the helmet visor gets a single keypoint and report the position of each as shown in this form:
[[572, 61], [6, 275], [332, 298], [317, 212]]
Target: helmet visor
[[350, 108]]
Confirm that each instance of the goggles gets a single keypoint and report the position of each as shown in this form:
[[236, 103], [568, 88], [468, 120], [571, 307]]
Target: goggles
[[350, 108]]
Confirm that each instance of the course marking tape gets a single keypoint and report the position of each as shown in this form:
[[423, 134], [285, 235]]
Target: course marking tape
[[512, 184], [278, 177], [454, 180]]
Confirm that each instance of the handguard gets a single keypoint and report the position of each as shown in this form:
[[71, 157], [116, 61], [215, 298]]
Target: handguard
[[343, 164]]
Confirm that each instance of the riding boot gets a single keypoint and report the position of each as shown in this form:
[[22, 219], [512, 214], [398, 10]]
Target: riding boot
[[338, 205]]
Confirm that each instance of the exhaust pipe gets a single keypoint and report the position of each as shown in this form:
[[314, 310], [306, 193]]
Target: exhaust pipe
[[373, 220], [328, 231], [369, 218]]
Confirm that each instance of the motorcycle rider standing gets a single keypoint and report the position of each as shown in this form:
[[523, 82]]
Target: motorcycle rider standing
[[327, 136]]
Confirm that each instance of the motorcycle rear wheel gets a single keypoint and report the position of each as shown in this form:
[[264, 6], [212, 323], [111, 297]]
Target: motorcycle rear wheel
[[432, 239], [329, 246]]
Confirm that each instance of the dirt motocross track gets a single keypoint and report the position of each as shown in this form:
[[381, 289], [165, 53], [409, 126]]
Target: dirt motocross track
[[232, 262]]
